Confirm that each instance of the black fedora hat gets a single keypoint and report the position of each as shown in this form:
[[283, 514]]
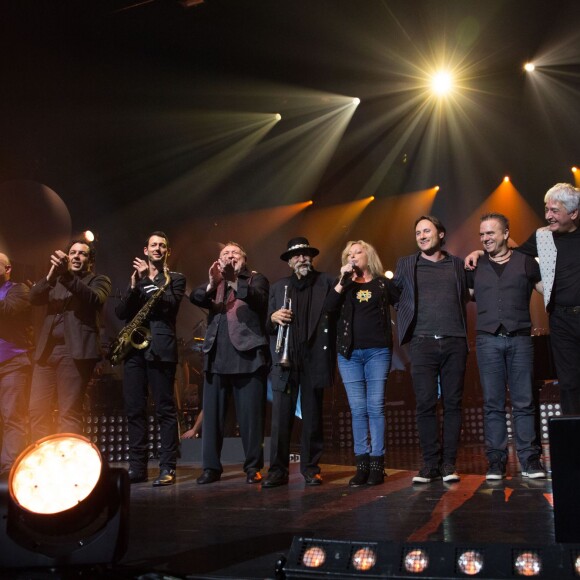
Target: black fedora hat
[[299, 246]]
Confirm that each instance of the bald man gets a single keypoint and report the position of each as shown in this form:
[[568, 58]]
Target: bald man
[[15, 367]]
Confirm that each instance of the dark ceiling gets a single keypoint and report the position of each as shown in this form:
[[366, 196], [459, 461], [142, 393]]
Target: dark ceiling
[[98, 98]]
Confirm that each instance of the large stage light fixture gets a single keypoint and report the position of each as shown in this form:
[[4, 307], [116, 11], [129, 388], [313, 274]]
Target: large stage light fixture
[[61, 505], [316, 558]]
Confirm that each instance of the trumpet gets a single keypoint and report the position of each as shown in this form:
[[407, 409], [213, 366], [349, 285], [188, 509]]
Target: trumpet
[[283, 338]]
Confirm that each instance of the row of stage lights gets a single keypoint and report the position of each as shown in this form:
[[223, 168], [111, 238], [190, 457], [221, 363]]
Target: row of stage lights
[[346, 559]]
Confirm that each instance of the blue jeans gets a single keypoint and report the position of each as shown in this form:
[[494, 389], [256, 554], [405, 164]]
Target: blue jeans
[[364, 376], [506, 361]]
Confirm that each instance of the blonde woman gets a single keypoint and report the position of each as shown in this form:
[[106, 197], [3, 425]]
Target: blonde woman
[[362, 299]]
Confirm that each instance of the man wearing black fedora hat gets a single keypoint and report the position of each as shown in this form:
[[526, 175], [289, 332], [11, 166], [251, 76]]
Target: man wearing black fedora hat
[[303, 362]]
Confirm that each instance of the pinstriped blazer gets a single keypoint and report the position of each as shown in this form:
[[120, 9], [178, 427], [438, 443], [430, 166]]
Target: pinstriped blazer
[[406, 281]]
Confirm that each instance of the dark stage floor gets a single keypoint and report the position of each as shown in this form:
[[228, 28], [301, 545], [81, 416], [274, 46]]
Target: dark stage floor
[[234, 530]]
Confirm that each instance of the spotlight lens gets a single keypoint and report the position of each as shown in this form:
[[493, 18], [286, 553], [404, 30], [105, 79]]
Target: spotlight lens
[[364, 559], [528, 564], [416, 561], [529, 67], [470, 562], [55, 474], [356, 101], [314, 557], [577, 565], [89, 236]]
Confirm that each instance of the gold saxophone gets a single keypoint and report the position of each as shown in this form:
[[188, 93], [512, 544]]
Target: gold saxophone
[[134, 334]]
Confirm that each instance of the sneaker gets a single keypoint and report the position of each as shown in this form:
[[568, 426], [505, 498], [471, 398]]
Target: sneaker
[[449, 473], [427, 475], [534, 469], [496, 470]]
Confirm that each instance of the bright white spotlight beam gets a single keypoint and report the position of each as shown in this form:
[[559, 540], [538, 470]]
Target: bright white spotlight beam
[[441, 83]]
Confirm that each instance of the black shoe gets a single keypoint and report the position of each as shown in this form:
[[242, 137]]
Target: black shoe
[[275, 479], [208, 476], [166, 477], [313, 479], [253, 477], [136, 476]]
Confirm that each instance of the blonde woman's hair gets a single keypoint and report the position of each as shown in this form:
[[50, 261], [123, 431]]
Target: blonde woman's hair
[[374, 262]]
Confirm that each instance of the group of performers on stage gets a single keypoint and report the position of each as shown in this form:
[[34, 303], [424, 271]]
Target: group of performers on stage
[[294, 332]]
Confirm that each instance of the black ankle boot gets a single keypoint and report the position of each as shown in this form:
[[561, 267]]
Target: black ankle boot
[[362, 470], [377, 470]]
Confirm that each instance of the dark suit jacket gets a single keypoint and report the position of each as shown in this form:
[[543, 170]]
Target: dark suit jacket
[[16, 317], [79, 301], [320, 357], [245, 310], [406, 281], [162, 318]]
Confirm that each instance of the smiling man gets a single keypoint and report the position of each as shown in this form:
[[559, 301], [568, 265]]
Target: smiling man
[[236, 360], [558, 247], [68, 346], [159, 292], [432, 318], [503, 283]]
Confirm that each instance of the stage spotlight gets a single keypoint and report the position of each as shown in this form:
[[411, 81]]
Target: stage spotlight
[[278, 117], [416, 561], [314, 557], [529, 67], [62, 505], [441, 83], [436, 188], [364, 559], [574, 169], [356, 101], [88, 236], [470, 562], [527, 564], [389, 274], [506, 179]]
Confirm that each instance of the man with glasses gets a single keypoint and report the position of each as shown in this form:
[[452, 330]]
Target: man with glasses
[[236, 359]]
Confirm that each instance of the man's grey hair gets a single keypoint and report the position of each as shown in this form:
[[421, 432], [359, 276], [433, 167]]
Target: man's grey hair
[[566, 194]]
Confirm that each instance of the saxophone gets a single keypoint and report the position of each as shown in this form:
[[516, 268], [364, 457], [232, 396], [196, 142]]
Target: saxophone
[[135, 334]]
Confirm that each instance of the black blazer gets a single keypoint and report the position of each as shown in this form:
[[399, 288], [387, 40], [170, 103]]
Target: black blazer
[[162, 318], [79, 301], [244, 309], [320, 357], [406, 281]]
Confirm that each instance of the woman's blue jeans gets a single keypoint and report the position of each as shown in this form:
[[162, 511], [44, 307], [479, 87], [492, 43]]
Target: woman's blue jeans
[[364, 376]]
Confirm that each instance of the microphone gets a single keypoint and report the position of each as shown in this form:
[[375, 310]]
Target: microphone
[[356, 270]]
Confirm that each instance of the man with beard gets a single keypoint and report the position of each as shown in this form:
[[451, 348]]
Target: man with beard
[[68, 345], [15, 368], [236, 359], [154, 365], [310, 365]]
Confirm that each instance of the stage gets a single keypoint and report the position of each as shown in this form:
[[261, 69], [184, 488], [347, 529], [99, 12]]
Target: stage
[[231, 529]]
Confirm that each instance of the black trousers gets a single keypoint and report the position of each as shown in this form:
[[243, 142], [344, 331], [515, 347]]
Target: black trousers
[[433, 359], [283, 413], [249, 391], [565, 343], [139, 374], [63, 380]]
